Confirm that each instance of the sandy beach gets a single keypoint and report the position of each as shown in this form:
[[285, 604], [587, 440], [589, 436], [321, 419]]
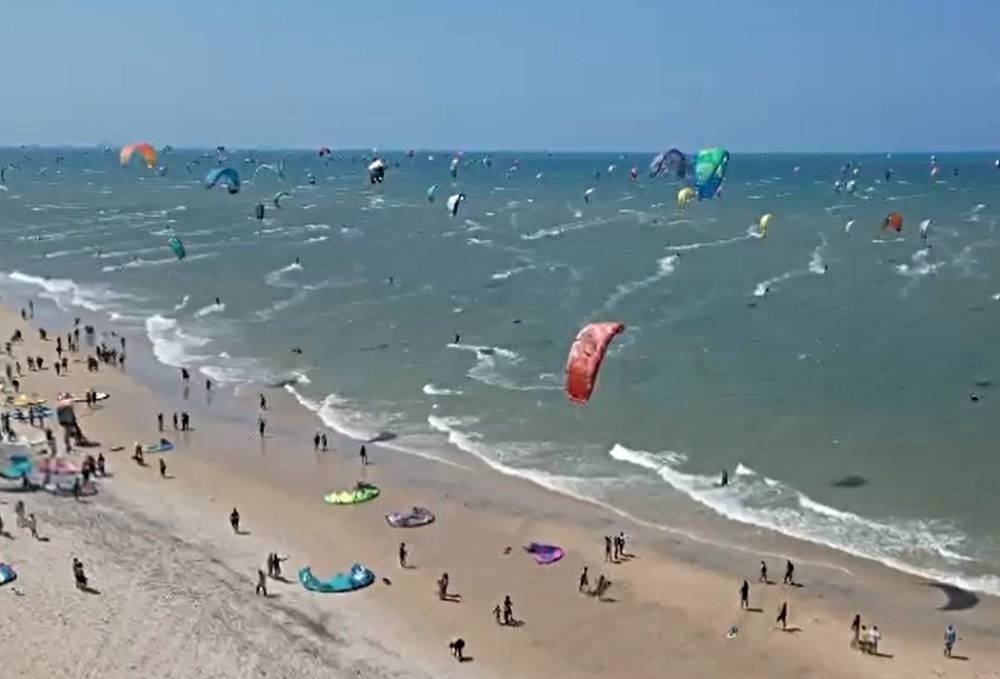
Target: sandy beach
[[176, 585]]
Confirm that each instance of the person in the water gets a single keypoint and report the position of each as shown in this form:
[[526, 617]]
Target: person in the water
[[218, 302], [458, 338]]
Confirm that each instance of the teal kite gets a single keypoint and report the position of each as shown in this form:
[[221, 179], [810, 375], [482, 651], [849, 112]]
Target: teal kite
[[710, 171]]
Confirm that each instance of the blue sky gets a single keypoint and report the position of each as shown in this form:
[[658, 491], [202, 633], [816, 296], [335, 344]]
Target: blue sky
[[754, 75]]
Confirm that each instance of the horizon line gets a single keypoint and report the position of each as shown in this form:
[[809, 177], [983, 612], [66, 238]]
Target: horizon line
[[488, 151]]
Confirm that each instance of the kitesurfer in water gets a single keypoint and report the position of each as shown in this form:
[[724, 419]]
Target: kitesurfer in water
[[458, 338], [218, 302], [725, 478], [296, 350]]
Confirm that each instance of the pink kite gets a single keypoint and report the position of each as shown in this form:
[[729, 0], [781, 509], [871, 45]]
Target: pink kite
[[585, 358]]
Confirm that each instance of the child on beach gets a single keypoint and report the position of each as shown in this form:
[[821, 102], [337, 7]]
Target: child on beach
[[949, 640]]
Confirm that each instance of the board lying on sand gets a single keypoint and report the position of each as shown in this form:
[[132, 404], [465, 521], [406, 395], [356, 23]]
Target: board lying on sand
[[543, 553], [357, 578], [416, 517], [7, 574], [363, 492], [99, 396], [161, 446]]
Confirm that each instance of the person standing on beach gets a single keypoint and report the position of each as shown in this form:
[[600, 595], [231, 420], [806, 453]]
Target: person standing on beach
[[185, 377], [855, 630], [443, 587], [163, 469], [185, 422], [263, 402], [789, 573], [175, 422], [234, 520], [745, 595], [261, 426], [607, 548], [364, 456], [79, 575], [949, 640], [508, 611], [32, 524], [763, 572], [783, 615], [323, 443], [584, 581], [159, 422], [496, 614], [402, 555], [261, 588], [316, 442]]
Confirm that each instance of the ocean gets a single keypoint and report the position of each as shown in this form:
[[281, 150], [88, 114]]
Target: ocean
[[829, 368]]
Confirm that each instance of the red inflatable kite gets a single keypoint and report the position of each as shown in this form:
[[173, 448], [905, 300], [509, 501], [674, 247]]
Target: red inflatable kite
[[585, 358]]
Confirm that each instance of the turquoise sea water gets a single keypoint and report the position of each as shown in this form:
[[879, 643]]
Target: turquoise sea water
[[794, 361]]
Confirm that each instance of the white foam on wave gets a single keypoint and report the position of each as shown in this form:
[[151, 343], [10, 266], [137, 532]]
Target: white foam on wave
[[568, 227], [507, 273], [144, 263], [494, 366], [274, 278], [664, 267], [171, 344], [817, 266], [210, 309], [494, 455], [432, 390], [67, 293], [183, 303], [768, 503], [749, 235], [340, 415]]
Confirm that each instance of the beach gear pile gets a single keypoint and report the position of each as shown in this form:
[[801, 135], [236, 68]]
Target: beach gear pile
[[544, 554], [358, 577], [418, 516]]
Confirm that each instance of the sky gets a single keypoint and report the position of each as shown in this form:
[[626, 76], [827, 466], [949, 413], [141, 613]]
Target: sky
[[587, 75]]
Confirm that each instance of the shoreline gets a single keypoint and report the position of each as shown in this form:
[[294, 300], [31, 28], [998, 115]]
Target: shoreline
[[673, 579], [718, 527]]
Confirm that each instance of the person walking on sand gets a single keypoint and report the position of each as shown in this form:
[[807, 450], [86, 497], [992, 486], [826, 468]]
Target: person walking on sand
[[508, 611], [789, 573], [855, 630], [263, 402], [261, 588], [32, 524], [364, 456], [316, 442], [79, 575], [744, 595], [584, 581], [175, 422], [159, 422], [496, 614], [402, 555], [607, 548], [443, 586], [763, 572], [163, 469], [323, 443], [234, 520], [783, 615], [950, 637]]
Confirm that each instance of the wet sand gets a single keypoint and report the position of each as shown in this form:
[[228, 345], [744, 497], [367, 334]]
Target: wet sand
[[177, 586]]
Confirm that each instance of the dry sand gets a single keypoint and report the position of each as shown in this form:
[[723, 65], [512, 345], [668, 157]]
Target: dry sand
[[177, 587]]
